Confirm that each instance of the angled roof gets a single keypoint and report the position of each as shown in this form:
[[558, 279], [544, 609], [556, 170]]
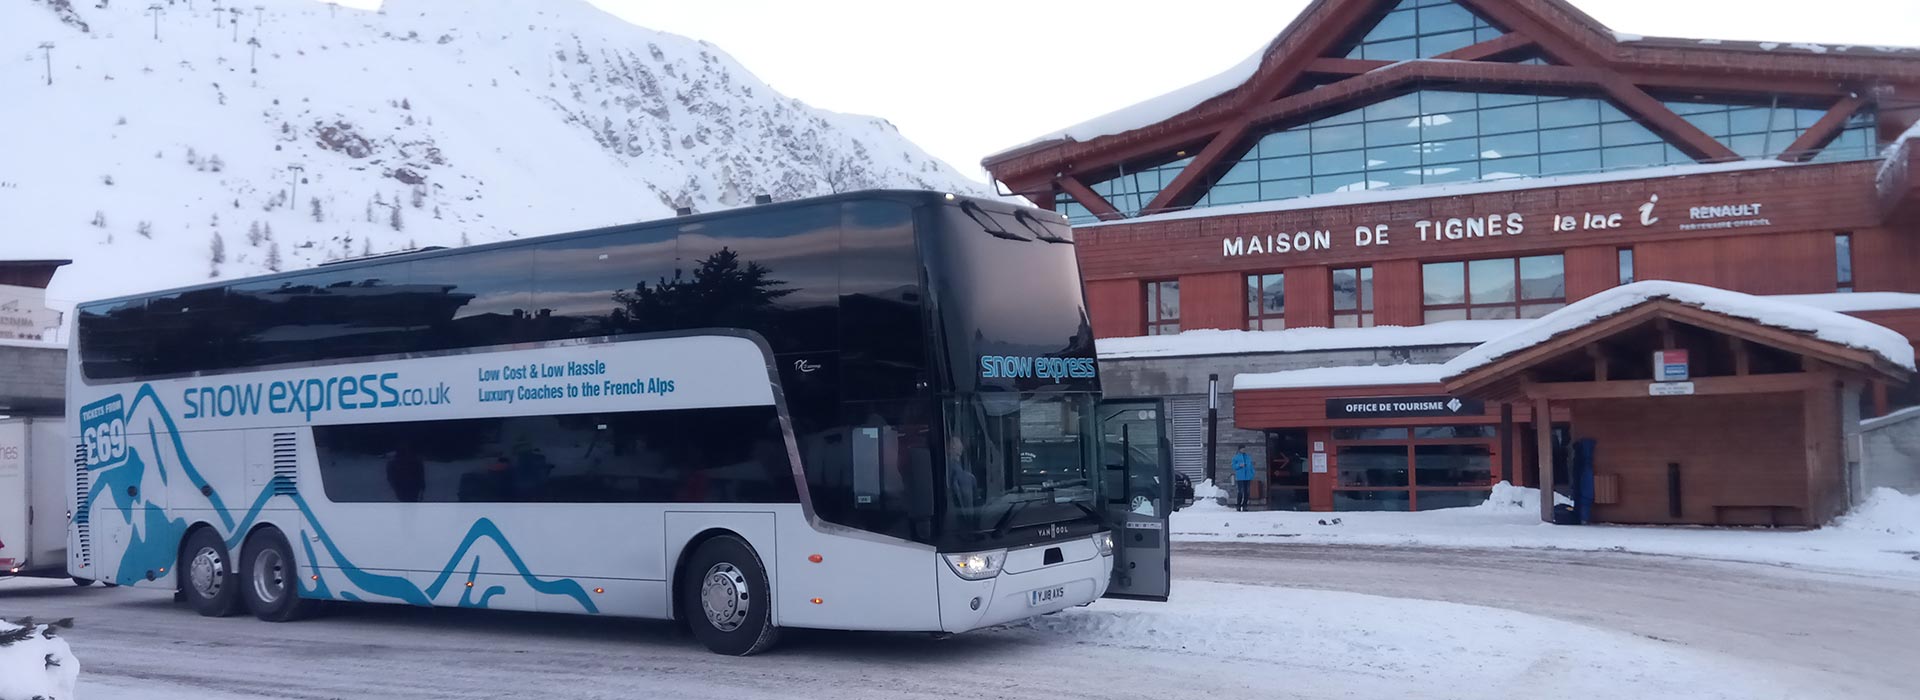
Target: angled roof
[[1216, 115], [1796, 327]]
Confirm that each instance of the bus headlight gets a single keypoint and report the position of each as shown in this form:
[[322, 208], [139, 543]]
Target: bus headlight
[[974, 566], [1104, 541]]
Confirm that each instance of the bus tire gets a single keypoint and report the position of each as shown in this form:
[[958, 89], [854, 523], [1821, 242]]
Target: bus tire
[[270, 579], [725, 598], [207, 577], [82, 582]]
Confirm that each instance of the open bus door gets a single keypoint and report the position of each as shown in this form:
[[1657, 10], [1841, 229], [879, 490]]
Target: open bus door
[[1139, 496]]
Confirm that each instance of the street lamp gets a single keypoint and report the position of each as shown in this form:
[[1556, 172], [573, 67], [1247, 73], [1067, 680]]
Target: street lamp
[[46, 50], [253, 54], [219, 16], [259, 15], [155, 9], [236, 23]]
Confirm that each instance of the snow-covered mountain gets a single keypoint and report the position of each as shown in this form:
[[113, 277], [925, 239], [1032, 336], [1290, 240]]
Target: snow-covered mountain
[[286, 136]]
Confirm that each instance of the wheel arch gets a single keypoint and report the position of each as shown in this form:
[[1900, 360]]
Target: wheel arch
[[676, 577]]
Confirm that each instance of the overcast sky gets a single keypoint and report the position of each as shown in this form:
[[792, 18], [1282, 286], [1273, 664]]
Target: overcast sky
[[965, 79]]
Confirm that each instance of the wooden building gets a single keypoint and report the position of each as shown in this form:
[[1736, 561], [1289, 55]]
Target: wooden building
[[1390, 183]]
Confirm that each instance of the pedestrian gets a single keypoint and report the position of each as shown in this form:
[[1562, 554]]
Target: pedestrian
[[1242, 474]]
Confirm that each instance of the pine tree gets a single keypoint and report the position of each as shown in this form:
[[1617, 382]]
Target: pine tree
[[253, 235], [273, 256], [419, 196], [99, 219], [315, 202], [266, 230], [393, 219], [366, 246], [216, 164], [463, 239], [145, 229]]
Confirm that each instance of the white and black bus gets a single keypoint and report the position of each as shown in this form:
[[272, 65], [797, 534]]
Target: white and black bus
[[871, 411]]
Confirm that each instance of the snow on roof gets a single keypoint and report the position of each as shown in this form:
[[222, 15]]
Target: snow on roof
[[1831, 326], [1898, 147], [1847, 302], [1154, 110], [1367, 375], [1340, 199], [1219, 342], [10, 343]]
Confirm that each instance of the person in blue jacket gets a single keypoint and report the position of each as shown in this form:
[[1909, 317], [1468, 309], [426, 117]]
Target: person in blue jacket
[[1242, 474]]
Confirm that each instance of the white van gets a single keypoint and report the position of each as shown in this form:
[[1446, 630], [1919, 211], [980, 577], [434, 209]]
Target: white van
[[35, 474]]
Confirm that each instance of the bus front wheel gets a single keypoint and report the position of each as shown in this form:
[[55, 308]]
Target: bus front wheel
[[725, 598], [207, 579], [272, 582]]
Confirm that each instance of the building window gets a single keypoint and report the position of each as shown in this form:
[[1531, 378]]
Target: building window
[[1528, 287], [1163, 307], [1421, 29], [1444, 466], [1843, 261], [1353, 298], [1131, 190], [1430, 137], [1625, 256], [1267, 302], [1067, 206]]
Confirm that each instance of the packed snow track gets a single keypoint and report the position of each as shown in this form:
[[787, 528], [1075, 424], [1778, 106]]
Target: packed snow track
[[1249, 620]]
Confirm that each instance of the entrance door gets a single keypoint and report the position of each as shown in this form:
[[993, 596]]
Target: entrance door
[[1139, 485], [1287, 470]]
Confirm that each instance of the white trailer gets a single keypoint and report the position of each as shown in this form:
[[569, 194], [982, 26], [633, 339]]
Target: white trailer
[[35, 476]]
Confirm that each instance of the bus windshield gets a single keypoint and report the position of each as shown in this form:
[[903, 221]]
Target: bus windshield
[[1017, 460]]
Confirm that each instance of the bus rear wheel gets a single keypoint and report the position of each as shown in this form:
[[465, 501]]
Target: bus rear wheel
[[207, 579], [82, 582], [725, 599], [272, 581]]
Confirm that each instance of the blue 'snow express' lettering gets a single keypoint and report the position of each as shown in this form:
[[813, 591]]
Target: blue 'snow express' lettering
[[1054, 368], [310, 396]]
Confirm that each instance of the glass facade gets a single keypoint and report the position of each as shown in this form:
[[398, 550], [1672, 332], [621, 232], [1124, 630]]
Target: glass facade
[[1267, 302], [1625, 259], [1420, 29], [1163, 307], [1767, 130], [1440, 136], [1528, 287]]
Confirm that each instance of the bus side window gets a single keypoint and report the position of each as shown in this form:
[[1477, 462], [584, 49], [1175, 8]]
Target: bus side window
[[867, 457]]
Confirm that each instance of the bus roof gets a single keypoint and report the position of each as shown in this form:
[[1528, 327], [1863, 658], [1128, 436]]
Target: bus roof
[[431, 252]]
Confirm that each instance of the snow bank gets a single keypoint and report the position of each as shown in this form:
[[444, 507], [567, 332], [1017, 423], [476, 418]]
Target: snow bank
[[1885, 511], [39, 666], [1826, 325], [1878, 537], [1224, 342], [1326, 643], [1206, 498]]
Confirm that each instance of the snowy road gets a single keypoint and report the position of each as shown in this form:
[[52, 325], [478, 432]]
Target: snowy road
[[1383, 622]]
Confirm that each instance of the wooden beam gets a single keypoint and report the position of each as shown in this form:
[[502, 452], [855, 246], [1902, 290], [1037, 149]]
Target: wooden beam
[[1551, 38], [1658, 117], [1489, 48], [1817, 136], [1223, 143], [1543, 444], [1742, 356], [1354, 90], [1599, 356], [1344, 66], [1702, 386], [1666, 333], [1090, 199]]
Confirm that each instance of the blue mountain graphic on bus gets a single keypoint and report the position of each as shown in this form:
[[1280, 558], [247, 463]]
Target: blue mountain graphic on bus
[[129, 474]]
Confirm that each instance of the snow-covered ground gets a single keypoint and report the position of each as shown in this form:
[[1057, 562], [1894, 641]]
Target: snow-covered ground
[[1246, 621], [1881, 535]]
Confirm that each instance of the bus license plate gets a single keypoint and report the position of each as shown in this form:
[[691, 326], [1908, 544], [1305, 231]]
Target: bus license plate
[[1046, 595]]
